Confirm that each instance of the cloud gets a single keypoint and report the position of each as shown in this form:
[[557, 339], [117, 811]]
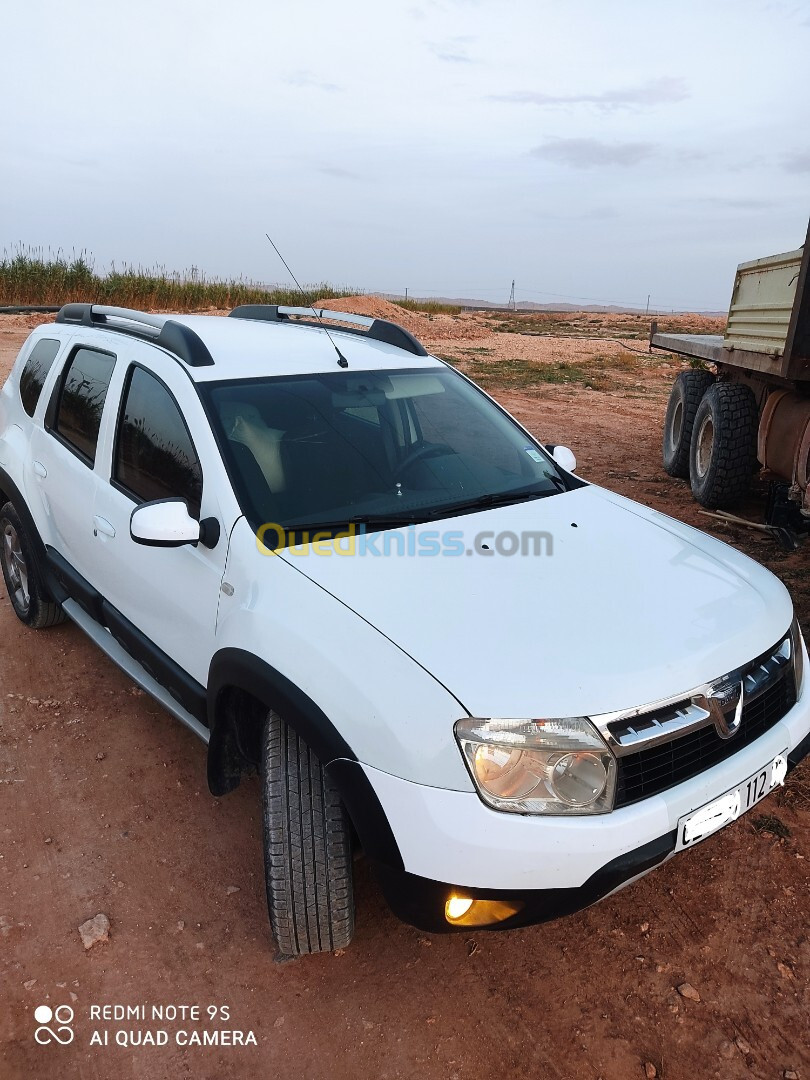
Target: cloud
[[732, 203], [307, 79], [797, 163], [338, 172], [599, 213], [591, 153], [453, 50], [661, 91]]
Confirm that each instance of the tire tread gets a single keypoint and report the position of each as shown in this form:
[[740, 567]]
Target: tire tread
[[734, 455], [688, 388], [308, 863]]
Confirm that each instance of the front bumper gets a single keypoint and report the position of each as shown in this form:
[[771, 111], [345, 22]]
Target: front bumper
[[450, 842]]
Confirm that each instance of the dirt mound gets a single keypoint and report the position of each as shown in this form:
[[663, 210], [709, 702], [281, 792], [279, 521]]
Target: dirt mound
[[377, 308], [428, 328], [25, 321]]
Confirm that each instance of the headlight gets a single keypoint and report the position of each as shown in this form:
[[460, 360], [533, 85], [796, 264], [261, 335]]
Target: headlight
[[539, 766], [797, 648]]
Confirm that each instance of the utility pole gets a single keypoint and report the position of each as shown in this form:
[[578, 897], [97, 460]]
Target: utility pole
[[511, 303], [406, 292], [647, 312]]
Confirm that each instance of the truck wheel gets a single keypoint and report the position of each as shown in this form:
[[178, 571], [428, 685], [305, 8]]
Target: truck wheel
[[686, 394], [307, 847], [29, 597], [723, 453]]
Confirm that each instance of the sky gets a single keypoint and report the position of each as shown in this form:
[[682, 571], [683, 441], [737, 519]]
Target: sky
[[591, 151]]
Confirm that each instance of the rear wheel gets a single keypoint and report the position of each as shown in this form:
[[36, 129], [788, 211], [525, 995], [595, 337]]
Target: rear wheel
[[307, 847], [29, 597], [723, 452], [684, 399]]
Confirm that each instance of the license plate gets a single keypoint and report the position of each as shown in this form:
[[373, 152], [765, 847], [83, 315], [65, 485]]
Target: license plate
[[714, 815]]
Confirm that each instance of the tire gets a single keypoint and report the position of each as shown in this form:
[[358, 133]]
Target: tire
[[29, 597], [687, 392], [307, 848], [723, 452]]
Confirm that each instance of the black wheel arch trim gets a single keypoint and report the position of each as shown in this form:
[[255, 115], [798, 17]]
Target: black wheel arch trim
[[237, 669], [9, 492], [244, 671], [366, 812]]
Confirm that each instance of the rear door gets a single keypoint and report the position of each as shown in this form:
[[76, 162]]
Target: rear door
[[62, 470]]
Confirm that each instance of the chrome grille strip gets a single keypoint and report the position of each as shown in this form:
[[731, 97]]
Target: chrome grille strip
[[629, 731]]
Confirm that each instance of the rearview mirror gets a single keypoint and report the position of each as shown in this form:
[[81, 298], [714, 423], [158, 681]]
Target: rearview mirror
[[164, 523], [564, 457]]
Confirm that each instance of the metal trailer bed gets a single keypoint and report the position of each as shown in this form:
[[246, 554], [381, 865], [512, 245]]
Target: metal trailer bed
[[768, 328]]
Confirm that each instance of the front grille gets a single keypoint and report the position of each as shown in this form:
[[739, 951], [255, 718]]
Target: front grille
[[664, 765]]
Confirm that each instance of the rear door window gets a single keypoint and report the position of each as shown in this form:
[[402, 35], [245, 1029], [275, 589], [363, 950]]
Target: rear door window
[[81, 400]]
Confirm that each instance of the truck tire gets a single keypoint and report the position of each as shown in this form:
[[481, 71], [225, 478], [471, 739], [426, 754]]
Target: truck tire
[[307, 847], [687, 392], [723, 453], [32, 604]]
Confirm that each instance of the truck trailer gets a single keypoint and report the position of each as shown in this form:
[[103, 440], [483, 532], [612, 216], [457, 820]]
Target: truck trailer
[[744, 404]]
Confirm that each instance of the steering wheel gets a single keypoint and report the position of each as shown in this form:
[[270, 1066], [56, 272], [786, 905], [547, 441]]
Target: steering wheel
[[427, 450]]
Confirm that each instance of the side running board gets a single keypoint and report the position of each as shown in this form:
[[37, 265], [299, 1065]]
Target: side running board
[[119, 656]]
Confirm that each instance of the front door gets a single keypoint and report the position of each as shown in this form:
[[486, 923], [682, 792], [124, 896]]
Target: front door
[[169, 595]]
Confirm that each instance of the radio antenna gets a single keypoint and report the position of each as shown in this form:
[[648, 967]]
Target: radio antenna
[[342, 361]]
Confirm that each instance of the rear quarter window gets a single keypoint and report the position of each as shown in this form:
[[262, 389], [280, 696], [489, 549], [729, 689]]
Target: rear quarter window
[[35, 372]]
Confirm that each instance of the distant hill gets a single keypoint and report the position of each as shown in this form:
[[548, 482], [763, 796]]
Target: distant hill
[[527, 305]]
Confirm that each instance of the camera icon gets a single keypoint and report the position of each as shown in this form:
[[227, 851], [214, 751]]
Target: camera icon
[[62, 1017]]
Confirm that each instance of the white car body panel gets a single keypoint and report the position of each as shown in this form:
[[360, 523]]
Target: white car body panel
[[395, 716]]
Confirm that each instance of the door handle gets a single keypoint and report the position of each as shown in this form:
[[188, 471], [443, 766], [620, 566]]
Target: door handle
[[101, 525], [39, 469]]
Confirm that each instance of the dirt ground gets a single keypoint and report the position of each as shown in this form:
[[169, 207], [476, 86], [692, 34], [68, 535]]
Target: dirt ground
[[104, 809]]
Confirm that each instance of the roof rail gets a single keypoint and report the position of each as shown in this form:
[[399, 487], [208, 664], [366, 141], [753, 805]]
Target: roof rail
[[174, 337], [378, 329]]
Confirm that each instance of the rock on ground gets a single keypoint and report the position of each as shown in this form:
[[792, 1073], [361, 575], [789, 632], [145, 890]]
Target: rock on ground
[[95, 930], [686, 990]]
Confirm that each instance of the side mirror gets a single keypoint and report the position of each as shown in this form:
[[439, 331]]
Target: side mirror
[[164, 523], [564, 457]]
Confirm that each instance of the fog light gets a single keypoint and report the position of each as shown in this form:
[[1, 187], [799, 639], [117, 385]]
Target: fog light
[[457, 907], [463, 911]]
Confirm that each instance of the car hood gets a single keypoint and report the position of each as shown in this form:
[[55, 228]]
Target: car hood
[[623, 605]]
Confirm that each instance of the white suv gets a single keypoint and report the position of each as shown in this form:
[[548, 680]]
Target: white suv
[[342, 564]]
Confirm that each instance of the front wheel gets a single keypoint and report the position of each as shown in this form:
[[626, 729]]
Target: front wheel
[[30, 599], [307, 847]]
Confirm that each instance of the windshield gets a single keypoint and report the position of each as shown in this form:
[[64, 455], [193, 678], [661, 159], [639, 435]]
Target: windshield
[[317, 451]]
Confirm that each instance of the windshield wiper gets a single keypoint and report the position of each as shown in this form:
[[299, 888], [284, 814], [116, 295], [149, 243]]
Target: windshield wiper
[[381, 521], [484, 502], [428, 513]]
